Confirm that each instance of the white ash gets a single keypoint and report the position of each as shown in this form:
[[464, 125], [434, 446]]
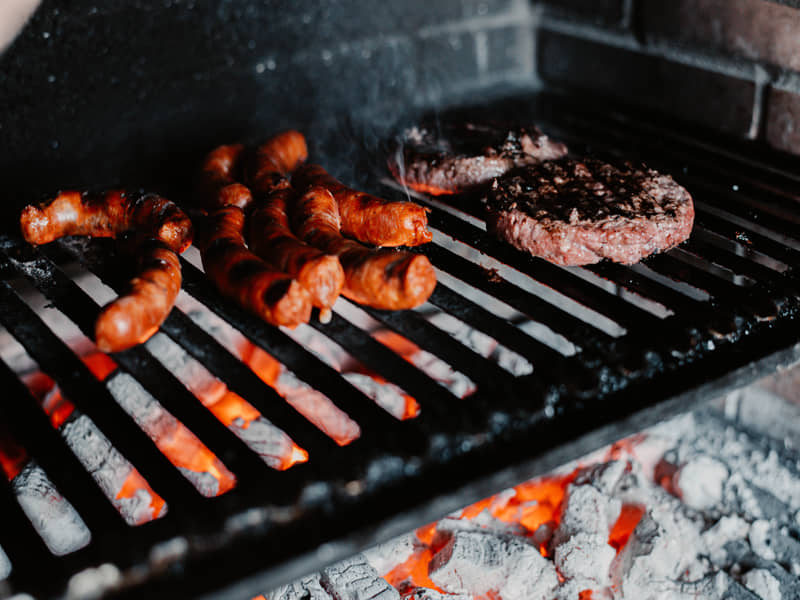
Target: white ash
[[760, 539], [313, 405], [483, 522], [663, 545], [586, 510], [482, 344], [108, 468], [585, 556], [355, 579], [54, 518], [272, 444], [716, 537], [157, 423], [434, 367], [476, 562], [317, 408], [605, 477], [385, 557], [428, 594], [762, 583], [388, 396], [700, 481], [5, 565], [307, 588], [721, 520]]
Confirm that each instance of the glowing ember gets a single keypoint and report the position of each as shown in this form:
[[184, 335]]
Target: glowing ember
[[12, 456], [60, 410], [628, 519], [432, 190]]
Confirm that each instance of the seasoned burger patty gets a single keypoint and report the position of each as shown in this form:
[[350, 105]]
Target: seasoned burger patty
[[467, 155], [573, 212]]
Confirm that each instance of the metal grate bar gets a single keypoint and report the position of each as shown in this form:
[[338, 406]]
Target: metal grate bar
[[751, 238], [372, 419], [93, 399], [432, 397], [27, 552], [577, 331], [597, 299], [34, 432], [737, 264], [543, 357], [150, 373]]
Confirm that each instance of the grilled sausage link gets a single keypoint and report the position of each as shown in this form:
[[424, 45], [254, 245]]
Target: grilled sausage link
[[368, 218], [218, 186], [382, 278], [271, 238], [275, 159], [269, 234], [241, 275], [107, 215], [136, 315], [161, 230]]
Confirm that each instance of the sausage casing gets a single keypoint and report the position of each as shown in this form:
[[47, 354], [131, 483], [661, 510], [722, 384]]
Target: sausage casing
[[276, 158], [161, 231], [241, 275], [382, 278], [272, 239], [218, 185], [367, 218]]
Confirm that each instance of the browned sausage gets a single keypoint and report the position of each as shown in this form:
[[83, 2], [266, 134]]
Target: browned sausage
[[268, 229], [135, 316], [367, 218], [271, 238], [241, 275], [161, 230], [107, 215], [382, 278], [218, 185], [276, 158]]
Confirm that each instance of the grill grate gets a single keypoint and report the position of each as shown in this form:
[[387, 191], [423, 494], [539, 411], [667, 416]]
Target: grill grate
[[713, 313]]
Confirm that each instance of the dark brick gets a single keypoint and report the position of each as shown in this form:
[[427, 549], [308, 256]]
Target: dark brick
[[444, 62], [506, 49], [601, 12], [783, 120], [753, 29], [482, 8], [715, 100]]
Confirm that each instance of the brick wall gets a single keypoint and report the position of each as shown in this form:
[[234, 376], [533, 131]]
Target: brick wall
[[134, 92], [733, 65]]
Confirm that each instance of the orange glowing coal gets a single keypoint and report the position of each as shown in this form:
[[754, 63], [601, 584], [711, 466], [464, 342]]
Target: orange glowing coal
[[533, 504], [431, 190], [12, 456]]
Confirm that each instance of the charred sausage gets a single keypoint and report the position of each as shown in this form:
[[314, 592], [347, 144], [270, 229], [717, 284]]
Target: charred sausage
[[271, 238], [275, 159], [161, 230], [368, 218], [383, 278], [218, 185], [135, 316], [269, 234], [241, 275]]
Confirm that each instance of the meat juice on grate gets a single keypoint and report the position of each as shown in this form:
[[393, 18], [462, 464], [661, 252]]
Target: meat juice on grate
[[696, 507]]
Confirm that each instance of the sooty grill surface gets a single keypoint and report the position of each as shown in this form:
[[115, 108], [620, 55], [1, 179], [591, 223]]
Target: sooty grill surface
[[612, 349]]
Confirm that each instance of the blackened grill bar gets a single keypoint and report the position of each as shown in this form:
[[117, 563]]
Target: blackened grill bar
[[568, 405]]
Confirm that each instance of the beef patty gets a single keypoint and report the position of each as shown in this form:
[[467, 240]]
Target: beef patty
[[464, 155], [576, 212]]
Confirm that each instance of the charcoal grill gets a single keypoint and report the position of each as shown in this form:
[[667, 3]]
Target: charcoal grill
[[731, 296]]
